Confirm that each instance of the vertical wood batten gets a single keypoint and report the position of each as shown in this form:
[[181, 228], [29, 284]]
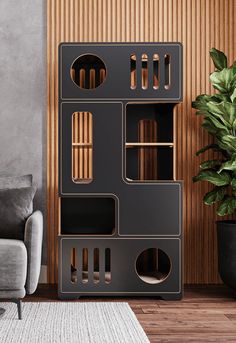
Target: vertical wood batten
[[198, 25]]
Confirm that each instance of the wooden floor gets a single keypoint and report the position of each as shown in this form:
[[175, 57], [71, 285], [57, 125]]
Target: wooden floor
[[206, 314]]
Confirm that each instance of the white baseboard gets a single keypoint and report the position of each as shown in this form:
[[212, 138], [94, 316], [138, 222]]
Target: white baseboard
[[43, 274]]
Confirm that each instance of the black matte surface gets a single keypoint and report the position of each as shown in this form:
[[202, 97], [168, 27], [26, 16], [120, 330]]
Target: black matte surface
[[161, 113], [144, 214], [124, 278], [87, 215], [116, 57]]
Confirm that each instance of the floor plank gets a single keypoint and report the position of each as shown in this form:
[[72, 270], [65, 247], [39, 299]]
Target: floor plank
[[205, 314]]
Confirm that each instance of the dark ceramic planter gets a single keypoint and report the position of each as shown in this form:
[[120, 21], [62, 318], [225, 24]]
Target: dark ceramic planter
[[226, 237]]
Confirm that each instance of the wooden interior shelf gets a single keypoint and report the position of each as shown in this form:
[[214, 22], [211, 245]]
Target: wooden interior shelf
[[149, 146], [131, 145]]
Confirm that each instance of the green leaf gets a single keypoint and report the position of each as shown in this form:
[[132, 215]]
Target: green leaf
[[213, 177], [217, 123], [230, 142], [220, 97], [210, 164], [234, 124], [233, 96], [224, 111], [201, 103], [233, 183], [229, 165], [218, 110], [228, 206], [213, 146], [217, 194], [219, 59], [207, 125], [223, 80]]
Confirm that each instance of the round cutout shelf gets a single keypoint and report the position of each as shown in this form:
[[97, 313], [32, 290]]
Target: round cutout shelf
[[88, 71], [153, 266]]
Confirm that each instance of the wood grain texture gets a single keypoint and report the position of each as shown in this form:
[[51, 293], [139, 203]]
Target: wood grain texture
[[199, 25], [206, 314]]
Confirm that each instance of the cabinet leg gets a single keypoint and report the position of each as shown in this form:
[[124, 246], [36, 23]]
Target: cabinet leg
[[177, 296]]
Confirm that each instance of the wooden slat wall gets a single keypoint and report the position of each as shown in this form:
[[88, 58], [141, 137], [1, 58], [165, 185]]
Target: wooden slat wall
[[199, 25]]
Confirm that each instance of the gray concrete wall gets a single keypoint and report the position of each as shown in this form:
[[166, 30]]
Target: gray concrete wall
[[23, 92]]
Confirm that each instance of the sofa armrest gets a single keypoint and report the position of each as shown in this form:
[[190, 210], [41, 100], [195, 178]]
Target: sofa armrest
[[33, 241]]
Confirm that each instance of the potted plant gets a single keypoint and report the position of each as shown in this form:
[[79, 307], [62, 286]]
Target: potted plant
[[219, 119]]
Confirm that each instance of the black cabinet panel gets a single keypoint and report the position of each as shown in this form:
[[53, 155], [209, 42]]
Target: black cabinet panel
[[106, 150], [121, 208], [151, 210], [117, 60], [123, 275]]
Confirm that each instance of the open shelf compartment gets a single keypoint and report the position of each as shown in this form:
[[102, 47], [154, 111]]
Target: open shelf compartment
[[88, 215], [150, 142]]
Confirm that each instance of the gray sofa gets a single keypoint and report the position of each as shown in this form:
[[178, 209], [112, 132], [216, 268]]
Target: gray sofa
[[20, 256]]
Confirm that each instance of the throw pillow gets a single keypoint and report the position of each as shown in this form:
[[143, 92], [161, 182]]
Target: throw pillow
[[9, 182], [16, 205]]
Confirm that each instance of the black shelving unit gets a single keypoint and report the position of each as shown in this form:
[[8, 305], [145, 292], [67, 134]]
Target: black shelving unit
[[120, 203]]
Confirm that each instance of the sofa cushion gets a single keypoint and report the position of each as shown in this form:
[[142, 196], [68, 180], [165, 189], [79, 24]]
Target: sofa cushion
[[7, 181], [16, 205], [13, 266]]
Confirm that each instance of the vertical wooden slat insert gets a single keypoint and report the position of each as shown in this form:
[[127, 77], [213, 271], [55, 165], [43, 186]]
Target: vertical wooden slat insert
[[156, 74], [90, 149], [92, 82], [72, 74], [85, 140], [198, 25], [74, 265], [144, 71], [81, 174], [102, 75], [133, 72], [167, 71], [76, 157], [147, 156], [108, 271], [85, 263], [82, 73], [96, 271], [82, 149]]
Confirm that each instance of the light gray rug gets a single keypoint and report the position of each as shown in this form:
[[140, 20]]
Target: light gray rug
[[67, 322]]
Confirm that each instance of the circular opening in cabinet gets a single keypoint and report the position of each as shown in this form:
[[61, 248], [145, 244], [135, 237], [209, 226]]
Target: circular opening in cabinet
[[88, 71], [153, 266]]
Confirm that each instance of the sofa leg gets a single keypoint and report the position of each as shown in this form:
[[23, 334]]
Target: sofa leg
[[19, 307]]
